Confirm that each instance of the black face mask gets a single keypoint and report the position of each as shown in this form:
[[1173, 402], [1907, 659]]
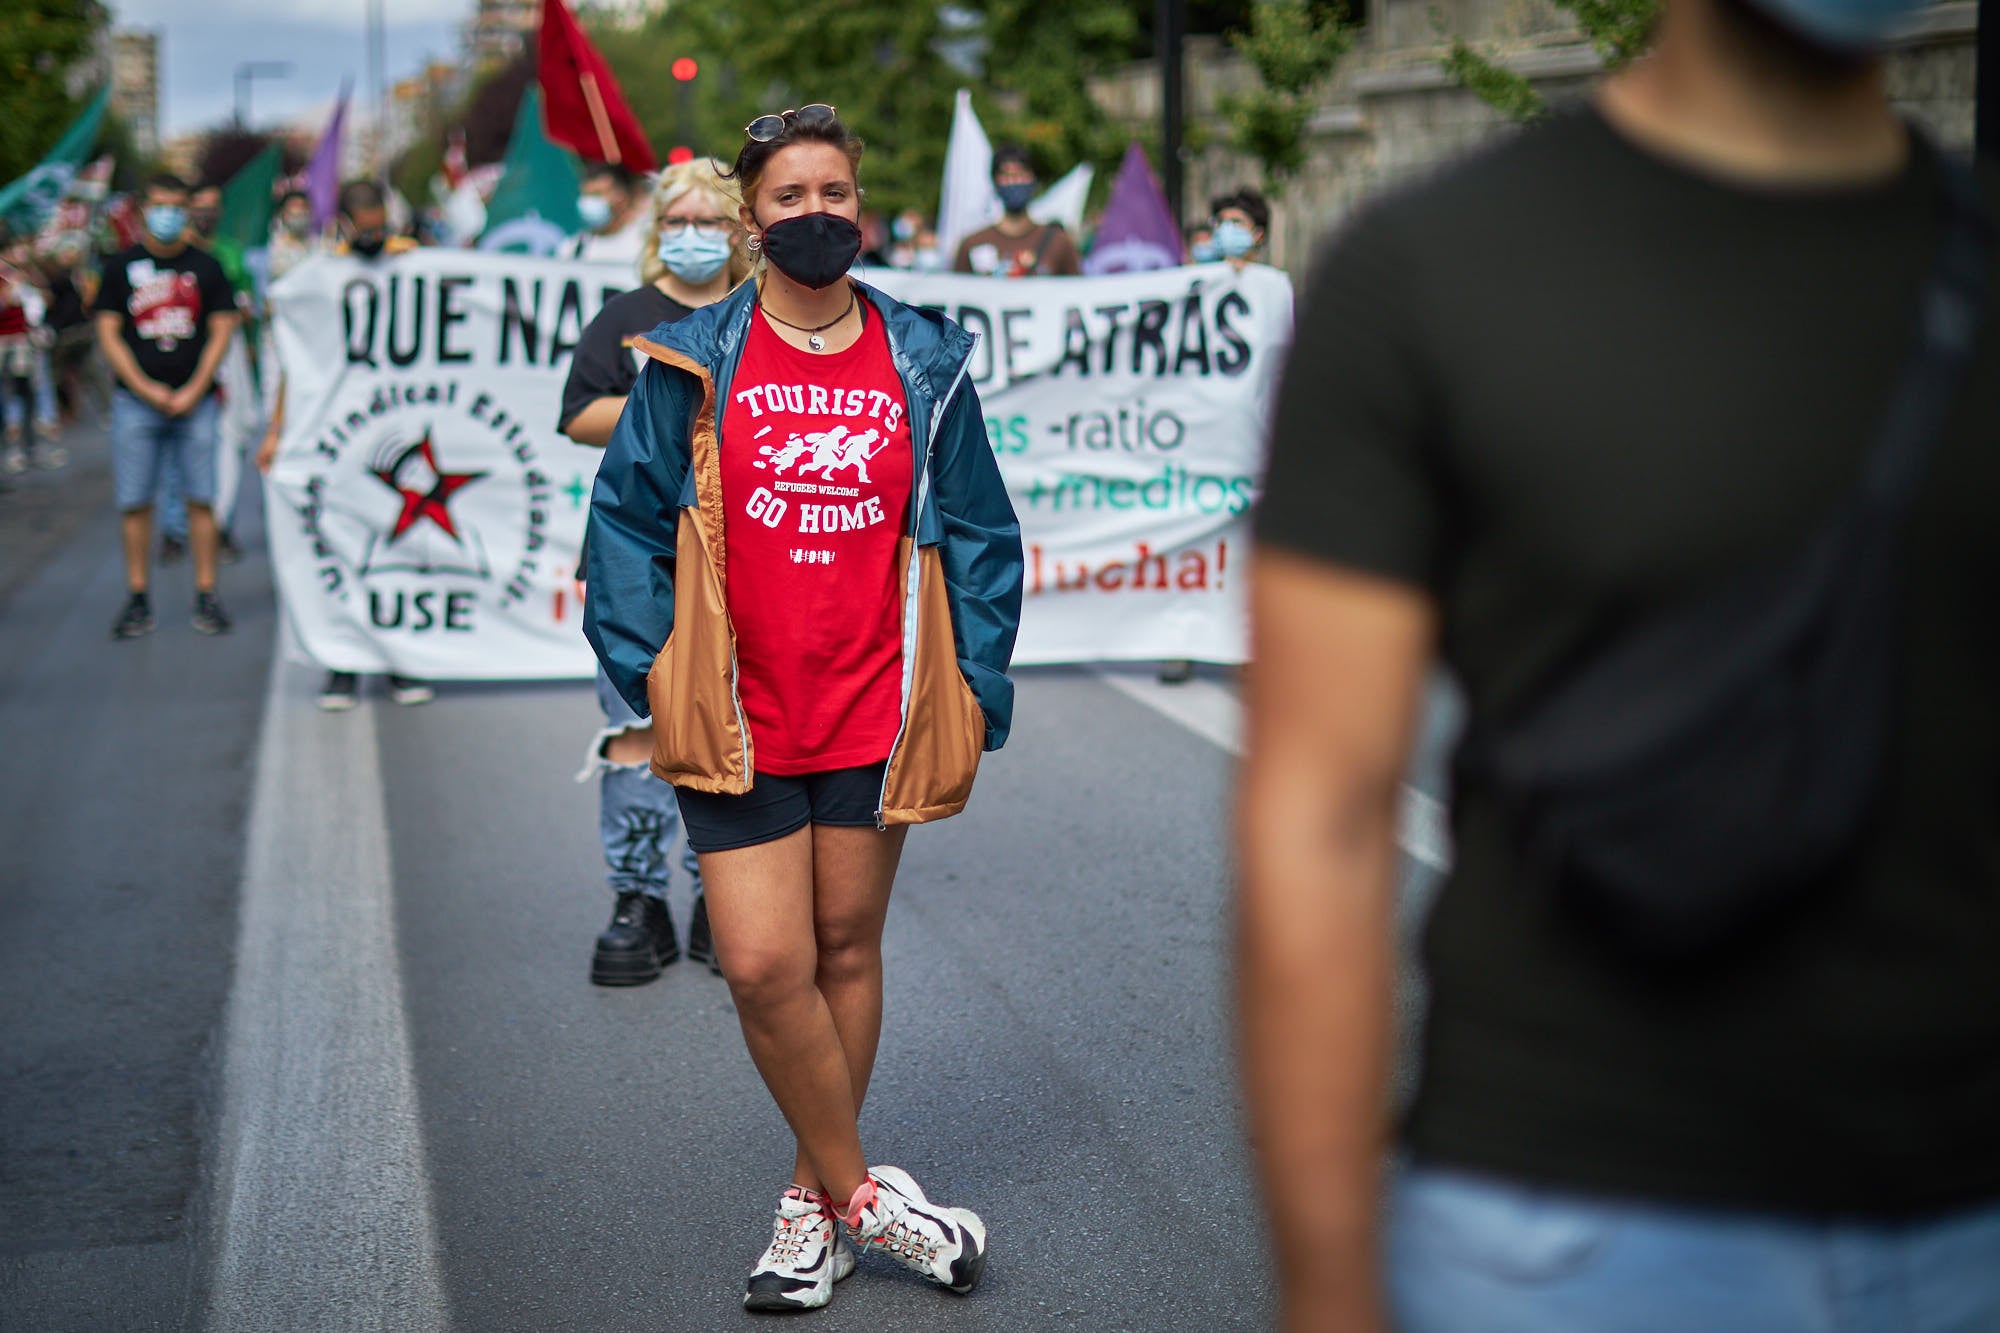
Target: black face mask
[[368, 244], [814, 250]]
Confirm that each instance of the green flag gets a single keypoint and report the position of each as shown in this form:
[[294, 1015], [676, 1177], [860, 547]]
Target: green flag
[[533, 208], [246, 201], [26, 203]]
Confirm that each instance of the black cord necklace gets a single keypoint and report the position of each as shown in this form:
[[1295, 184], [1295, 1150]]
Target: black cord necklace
[[813, 340]]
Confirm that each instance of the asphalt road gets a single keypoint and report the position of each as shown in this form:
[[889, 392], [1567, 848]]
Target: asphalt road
[[299, 1033]]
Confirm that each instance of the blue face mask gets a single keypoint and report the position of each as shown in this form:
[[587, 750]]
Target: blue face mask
[[1234, 239], [1016, 198], [1849, 26], [693, 257], [595, 210], [1205, 252], [166, 222]]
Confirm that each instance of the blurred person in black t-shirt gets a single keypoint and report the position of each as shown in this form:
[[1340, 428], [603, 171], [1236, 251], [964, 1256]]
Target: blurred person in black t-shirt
[[691, 255], [165, 313], [1585, 376]]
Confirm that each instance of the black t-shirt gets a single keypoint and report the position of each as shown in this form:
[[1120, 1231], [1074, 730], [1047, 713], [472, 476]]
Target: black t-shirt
[[164, 303], [1571, 381], [65, 302], [603, 365]]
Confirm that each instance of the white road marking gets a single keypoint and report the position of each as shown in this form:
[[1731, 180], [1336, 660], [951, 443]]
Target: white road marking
[[1212, 711], [321, 1197]]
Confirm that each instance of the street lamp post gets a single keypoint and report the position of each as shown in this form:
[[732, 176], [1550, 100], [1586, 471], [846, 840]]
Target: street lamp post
[[1169, 24], [255, 69], [1986, 79]]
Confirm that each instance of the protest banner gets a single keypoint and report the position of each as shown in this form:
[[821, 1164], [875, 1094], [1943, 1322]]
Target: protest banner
[[1128, 416], [426, 516]]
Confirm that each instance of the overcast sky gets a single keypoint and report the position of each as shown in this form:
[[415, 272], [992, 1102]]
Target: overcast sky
[[203, 41]]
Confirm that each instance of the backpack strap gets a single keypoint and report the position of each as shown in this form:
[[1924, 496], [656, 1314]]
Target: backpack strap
[[1950, 318]]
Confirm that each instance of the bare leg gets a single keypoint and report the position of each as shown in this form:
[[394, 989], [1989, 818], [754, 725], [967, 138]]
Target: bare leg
[[853, 872], [137, 529], [760, 908], [202, 540]]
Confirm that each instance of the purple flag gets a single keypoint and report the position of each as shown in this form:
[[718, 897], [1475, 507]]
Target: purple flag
[[1138, 230], [323, 171]]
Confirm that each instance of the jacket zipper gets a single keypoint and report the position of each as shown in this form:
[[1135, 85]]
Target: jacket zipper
[[912, 579]]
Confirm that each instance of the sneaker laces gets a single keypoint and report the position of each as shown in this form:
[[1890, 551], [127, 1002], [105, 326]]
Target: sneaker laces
[[790, 1235], [897, 1236]]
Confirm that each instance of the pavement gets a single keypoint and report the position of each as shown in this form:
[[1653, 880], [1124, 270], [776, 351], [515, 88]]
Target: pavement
[[300, 1034]]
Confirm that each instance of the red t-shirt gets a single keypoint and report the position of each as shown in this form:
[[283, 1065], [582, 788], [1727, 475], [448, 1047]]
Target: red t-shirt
[[816, 474]]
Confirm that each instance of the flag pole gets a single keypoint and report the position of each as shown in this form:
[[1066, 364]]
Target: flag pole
[[605, 138]]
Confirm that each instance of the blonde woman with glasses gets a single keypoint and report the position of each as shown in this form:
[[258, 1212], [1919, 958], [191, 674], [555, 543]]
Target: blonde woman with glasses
[[691, 254]]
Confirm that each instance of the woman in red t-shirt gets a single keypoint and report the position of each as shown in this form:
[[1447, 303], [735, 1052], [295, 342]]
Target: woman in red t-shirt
[[802, 481]]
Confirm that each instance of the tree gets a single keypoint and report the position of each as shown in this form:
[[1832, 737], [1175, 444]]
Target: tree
[[1037, 59], [879, 64], [1619, 29], [40, 42], [1293, 46]]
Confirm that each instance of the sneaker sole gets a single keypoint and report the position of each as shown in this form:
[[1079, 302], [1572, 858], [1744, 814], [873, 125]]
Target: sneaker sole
[[411, 698], [771, 1299], [627, 969], [967, 1269], [139, 633], [337, 703], [208, 627]]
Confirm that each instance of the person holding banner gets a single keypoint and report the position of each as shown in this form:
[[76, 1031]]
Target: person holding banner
[[1238, 224], [804, 562], [692, 254]]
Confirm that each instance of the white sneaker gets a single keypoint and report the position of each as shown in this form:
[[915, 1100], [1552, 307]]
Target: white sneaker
[[406, 691], [946, 1245], [806, 1256], [14, 460]]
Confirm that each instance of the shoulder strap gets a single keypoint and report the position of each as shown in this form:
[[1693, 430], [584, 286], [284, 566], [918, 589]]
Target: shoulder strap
[[1949, 320], [1049, 230]]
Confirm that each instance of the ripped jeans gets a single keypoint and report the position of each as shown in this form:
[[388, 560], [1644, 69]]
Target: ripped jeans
[[637, 816]]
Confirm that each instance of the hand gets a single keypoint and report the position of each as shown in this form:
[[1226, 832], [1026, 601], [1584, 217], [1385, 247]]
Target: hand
[[184, 400], [267, 452], [579, 590], [154, 395]]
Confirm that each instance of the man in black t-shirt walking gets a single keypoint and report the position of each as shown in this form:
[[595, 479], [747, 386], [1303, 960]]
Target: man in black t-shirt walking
[[165, 314], [1573, 383]]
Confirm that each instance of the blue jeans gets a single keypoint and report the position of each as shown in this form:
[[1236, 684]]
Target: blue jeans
[[147, 445], [1472, 1253], [637, 816]]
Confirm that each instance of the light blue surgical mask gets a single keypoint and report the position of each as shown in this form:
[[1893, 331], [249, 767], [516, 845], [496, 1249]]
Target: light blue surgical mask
[[1233, 239], [1849, 26], [594, 209], [693, 257], [166, 222], [1205, 252]]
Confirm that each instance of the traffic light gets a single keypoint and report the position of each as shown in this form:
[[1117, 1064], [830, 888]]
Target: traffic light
[[684, 69]]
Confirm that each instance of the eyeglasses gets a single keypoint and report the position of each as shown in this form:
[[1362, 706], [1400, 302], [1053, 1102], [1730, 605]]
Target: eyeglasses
[[766, 128], [710, 227]]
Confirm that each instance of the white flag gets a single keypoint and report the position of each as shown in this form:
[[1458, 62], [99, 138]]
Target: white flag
[[967, 200], [1063, 202]]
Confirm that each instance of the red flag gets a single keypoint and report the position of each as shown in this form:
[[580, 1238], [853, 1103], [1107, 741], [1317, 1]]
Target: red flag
[[582, 106]]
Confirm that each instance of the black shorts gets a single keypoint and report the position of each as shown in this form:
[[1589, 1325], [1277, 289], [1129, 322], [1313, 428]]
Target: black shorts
[[775, 807]]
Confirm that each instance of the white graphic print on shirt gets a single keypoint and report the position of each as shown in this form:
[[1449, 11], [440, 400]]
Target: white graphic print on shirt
[[836, 453]]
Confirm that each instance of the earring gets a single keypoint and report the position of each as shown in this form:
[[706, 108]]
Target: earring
[[753, 243]]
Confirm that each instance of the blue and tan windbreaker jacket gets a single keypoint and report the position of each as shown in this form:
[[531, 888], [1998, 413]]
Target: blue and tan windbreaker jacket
[[657, 612]]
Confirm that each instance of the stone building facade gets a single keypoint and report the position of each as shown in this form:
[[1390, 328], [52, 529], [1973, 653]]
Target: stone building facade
[[1390, 112]]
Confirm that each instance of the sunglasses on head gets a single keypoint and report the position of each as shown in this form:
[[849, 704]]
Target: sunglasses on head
[[766, 128]]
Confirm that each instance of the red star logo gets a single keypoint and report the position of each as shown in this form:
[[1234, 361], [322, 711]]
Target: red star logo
[[425, 504]]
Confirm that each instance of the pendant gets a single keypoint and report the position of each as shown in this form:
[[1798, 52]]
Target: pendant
[[817, 343]]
